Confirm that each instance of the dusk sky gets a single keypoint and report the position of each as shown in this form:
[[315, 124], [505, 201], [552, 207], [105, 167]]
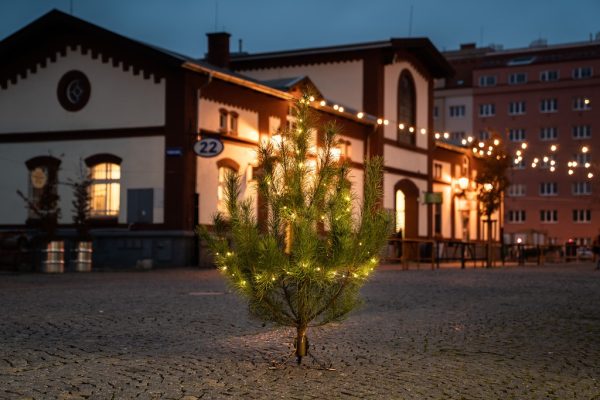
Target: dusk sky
[[271, 25]]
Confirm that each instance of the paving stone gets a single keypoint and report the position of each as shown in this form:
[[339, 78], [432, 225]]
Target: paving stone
[[527, 332]]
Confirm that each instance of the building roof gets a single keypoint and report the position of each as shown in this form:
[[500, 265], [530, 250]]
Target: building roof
[[422, 48], [60, 30]]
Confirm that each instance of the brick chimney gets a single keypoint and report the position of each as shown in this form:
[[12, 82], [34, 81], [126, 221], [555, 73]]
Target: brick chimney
[[218, 49]]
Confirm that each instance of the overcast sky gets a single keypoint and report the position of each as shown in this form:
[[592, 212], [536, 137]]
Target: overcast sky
[[271, 25]]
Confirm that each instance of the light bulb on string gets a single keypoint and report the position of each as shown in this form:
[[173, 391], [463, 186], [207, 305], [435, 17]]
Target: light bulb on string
[[553, 147]]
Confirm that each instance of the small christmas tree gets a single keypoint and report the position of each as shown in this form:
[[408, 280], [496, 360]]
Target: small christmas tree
[[304, 265], [82, 203]]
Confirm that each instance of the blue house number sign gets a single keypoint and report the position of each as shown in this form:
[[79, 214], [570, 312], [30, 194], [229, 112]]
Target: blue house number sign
[[208, 147]]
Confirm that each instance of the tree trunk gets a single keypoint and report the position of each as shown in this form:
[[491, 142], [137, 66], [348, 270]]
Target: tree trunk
[[489, 242], [301, 343]]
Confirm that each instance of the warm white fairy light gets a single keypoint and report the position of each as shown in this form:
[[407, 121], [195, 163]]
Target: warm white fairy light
[[590, 175], [401, 126], [474, 149], [584, 149], [360, 115], [311, 98], [437, 135], [341, 109], [411, 129], [496, 142], [379, 121], [446, 135], [336, 107], [553, 147], [570, 172], [586, 101], [481, 144], [323, 103], [536, 160], [552, 162], [587, 165], [470, 139], [463, 142], [552, 169], [533, 165], [518, 152], [386, 122], [523, 146], [545, 159]]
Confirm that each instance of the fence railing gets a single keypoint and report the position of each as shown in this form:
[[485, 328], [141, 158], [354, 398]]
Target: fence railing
[[435, 251]]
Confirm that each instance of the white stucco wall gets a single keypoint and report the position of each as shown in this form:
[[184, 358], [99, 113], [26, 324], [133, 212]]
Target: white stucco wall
[[401, 158], [356, 150], [391, 76], [341, 81], [118, 99], [142, 168], [208, 118]]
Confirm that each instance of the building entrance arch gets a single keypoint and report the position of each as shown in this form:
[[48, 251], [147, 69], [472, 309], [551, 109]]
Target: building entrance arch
[[406, 208]]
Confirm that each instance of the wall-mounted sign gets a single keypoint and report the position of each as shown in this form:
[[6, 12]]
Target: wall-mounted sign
[[208, 147], [433, 197], [38, 178], [174, 151]]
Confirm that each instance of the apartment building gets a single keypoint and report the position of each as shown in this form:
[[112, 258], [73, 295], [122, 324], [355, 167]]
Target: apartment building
[[540, 101]]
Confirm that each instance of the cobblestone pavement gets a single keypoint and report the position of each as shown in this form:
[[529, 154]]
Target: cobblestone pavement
[[506, 333]]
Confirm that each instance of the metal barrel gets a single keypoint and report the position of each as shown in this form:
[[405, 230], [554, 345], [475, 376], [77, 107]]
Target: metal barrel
[[53, 261], [83, 257]]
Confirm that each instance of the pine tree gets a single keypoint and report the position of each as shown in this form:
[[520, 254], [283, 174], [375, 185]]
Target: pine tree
[[302, 267], [82, 203]]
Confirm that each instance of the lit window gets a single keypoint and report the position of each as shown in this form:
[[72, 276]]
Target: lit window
[[400, 211], [105, 189], [221, 200]]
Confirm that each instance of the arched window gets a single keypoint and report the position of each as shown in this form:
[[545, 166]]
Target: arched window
[[407, 108], [225, 167], [105, 190], [42, 181], [400, 211], [406, 208]]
